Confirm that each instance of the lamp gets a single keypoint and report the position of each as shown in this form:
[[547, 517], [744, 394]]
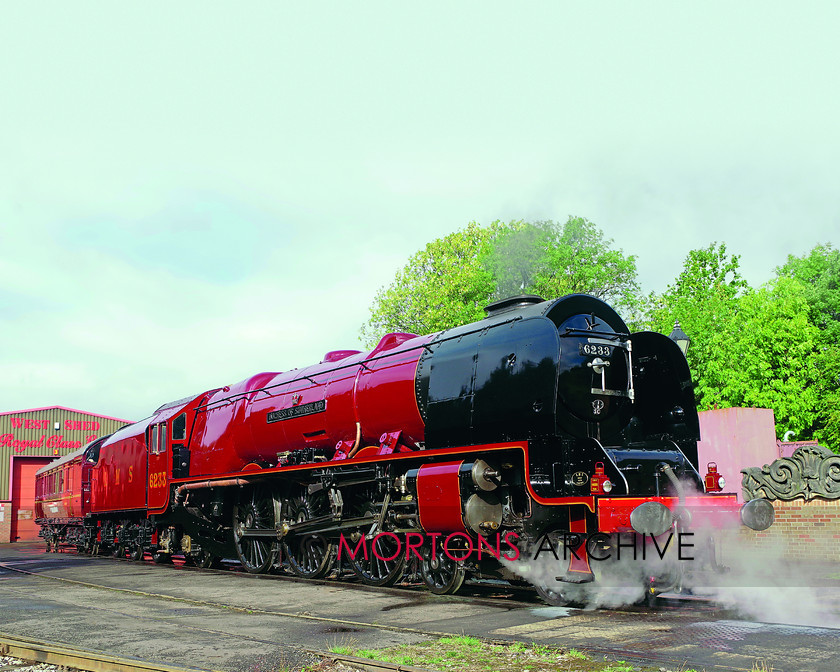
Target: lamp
[[680, 338]]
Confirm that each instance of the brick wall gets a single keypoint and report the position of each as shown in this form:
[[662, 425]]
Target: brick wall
[[5, 522], [802, 531]]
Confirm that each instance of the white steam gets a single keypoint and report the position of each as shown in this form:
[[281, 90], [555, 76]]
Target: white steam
[[756, 583], [764, 585]]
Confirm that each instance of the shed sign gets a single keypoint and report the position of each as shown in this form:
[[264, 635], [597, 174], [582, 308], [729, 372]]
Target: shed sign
[[53, 442]]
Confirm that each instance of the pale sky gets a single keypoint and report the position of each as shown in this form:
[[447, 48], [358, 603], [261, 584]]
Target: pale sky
[[191, 193]]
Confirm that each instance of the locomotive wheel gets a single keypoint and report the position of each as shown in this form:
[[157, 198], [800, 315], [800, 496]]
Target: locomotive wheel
[[385, 562], [161, 558], [441, 574], [310, 556], [553, 591], [554, 596], [380, 568], [136, 553], [205, 559], [254, 510]]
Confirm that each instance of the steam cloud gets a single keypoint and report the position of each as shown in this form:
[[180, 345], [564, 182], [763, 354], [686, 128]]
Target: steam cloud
[[755, 583]]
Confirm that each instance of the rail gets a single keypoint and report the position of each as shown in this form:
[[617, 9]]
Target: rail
[[90, 661], [36, 651]]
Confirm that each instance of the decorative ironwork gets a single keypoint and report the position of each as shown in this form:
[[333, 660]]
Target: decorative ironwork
[[812, 471]]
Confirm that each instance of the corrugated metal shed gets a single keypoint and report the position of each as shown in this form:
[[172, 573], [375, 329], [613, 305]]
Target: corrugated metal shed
[[54, 431]]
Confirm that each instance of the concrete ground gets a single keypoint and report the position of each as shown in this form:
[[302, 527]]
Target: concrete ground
[[232, 621]]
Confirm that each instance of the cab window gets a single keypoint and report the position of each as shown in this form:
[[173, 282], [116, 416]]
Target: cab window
[[179, 428], [162, 444], [92, 453]]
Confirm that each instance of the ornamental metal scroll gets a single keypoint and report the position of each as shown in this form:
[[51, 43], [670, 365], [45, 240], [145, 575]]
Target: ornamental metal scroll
[[812, 471]]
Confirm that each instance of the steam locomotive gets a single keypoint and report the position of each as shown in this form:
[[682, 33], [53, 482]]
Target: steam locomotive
[[546, 425]]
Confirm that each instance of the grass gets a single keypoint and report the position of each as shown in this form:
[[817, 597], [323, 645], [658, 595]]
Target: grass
[[469, 654]]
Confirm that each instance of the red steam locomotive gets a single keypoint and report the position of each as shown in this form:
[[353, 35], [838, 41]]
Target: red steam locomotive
[[545, 426]]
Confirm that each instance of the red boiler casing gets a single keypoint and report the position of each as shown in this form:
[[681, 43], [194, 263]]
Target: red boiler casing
[[315, 407]]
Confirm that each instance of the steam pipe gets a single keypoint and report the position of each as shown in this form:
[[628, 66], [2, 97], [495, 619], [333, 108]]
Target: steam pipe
[[356, 445], [183, 489], [666, 469]]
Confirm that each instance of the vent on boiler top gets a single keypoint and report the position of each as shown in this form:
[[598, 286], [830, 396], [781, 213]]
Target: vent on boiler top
[[338, 355], [511, 303]]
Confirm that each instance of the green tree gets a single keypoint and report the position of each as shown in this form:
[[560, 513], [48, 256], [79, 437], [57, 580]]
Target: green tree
[[442, 286], [451, 281], [827, 364], [766, 360], [579, 259], [553, 259], [708, 274], [749, 348], [819, 274], [704, 299]]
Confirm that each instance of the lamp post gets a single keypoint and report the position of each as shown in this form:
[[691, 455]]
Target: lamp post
[[680, 338]]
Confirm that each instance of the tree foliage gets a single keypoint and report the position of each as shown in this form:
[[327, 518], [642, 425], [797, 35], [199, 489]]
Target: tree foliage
[[766, 358], [452, 279], [819, 275], [750, 348], [704, 301], [442, 286], [553, 259]]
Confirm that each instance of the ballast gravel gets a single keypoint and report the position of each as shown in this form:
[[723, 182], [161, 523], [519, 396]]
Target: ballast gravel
[[10, 664]]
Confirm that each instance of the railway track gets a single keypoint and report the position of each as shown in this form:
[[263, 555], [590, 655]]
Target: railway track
[[250, 610], [73, 658], [334, 616], [67, 657], [474, 591], [33, 652], [478, 592]]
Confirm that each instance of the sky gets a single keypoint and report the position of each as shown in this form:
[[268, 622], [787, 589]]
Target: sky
[[191, 193]]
